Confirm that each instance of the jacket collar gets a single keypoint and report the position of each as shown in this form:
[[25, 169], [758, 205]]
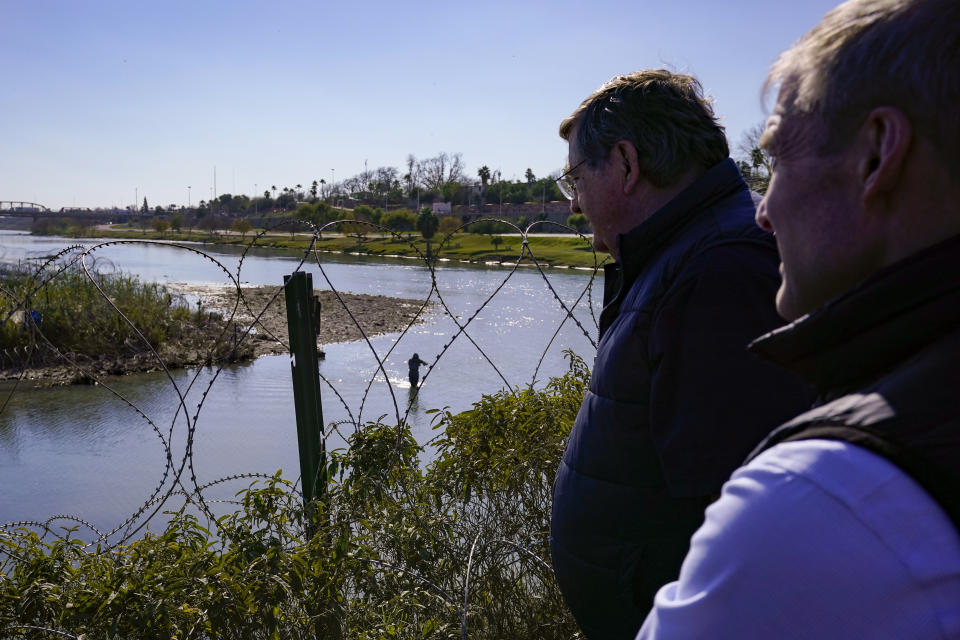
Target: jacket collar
[[858, 336], [637, 246]]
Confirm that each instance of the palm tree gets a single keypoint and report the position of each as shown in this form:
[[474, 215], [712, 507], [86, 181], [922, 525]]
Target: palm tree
[[484, 174]]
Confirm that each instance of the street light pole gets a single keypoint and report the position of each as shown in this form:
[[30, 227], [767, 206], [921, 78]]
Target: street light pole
[[188, 197]]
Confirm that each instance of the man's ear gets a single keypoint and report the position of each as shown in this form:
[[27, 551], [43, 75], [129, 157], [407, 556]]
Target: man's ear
[[887, 135], [626, 154]]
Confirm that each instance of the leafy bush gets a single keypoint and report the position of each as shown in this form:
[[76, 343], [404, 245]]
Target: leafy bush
[[449, 224], [578, 221], [396, 549], [399, 220], [489, 227], [70, 310]]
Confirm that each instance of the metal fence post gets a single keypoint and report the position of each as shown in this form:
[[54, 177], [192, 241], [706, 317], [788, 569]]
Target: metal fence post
[[302, 324]]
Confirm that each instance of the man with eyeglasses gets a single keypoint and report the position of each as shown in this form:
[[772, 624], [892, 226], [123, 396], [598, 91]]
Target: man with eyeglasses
[[675, 402]]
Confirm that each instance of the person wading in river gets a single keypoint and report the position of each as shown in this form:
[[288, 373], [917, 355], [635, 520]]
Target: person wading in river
[[414, 363]]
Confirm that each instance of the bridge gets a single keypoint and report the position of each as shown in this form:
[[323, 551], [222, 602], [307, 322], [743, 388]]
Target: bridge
[[14, 208]]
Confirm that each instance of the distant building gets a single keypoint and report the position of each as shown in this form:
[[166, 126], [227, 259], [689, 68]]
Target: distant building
[[442, 208]]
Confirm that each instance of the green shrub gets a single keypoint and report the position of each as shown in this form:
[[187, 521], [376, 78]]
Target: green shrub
[[399, 220], [389, 555], [77, 313]]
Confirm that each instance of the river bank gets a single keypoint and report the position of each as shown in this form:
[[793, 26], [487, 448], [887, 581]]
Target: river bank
[[341, 319], [231, 331], [550, 250]]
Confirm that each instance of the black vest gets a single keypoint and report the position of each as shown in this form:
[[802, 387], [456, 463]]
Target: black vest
[[619, 531], [885, 360]]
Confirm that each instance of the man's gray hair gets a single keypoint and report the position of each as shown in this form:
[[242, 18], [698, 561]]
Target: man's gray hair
[[664, 114], [869, 53]]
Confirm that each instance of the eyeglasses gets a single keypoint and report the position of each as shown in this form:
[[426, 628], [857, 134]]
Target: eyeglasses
[[566, 184]]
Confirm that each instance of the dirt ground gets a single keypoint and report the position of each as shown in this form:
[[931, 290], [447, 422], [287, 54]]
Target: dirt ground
[[375, 314]]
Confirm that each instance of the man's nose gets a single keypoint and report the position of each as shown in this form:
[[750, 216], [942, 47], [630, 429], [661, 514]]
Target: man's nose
[[761, 216]]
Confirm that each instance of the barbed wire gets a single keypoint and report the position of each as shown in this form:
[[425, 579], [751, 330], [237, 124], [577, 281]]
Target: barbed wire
[[179, 477]]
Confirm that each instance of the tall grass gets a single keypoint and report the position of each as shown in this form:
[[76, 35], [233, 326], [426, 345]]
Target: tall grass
[[96, 315]]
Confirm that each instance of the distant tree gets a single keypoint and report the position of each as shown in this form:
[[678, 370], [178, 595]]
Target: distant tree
[[427, 224], [450, 191], [496, 241], [160, 225], [177, 222], [449, 224], [158, 209], [494, 191], [484, 174], [242, 226], [313, 189], [399, 220], [210, 223], [435, 172], [363, 212], [516, 192], [146, 207], [529, 176], [353, 226], [319, 213], [489, 227], [547, 189], [286, 200], [578, 221], [758, 160]]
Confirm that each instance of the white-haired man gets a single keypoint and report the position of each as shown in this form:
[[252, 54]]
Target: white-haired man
[[844, 524]]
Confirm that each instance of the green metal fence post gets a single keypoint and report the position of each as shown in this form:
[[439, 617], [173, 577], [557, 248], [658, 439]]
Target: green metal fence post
[[302, 323]]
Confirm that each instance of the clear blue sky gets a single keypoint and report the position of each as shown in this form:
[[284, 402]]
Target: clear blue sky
[[99, 99]]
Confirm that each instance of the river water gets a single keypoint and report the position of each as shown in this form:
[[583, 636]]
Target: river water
[[98, 452]]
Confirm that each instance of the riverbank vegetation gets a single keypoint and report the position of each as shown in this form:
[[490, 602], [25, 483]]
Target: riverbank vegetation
[[456, 548], [481, 242], [61, 326], [106, 323]]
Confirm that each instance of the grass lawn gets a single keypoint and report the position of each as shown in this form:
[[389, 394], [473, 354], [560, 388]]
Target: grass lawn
[[554, 251]]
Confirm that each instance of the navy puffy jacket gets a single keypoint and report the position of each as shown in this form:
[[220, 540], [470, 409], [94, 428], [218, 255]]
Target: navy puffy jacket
[[675, 402]]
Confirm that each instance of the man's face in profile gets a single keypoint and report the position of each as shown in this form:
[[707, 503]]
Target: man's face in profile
[[811, 207]]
